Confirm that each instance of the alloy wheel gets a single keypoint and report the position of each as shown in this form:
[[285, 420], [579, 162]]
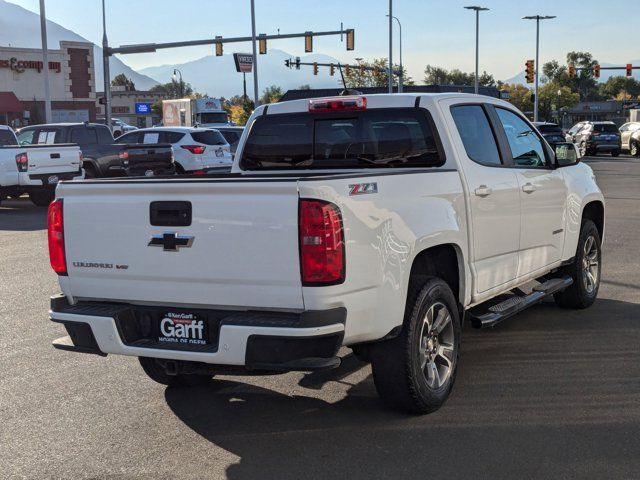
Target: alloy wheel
[[590, 265], [436, 350]]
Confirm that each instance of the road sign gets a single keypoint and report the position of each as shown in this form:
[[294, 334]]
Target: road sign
[[143, 108], [244, 62]]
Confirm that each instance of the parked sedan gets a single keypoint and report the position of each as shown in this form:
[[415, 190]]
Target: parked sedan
[[551, 132], [630, 138], [195, 149]]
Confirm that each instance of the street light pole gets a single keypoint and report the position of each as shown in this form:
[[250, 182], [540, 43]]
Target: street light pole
[[537, 18], [477, 10], [105, 69], [45, 61], [390, 46], [255, 54], [401, 76], [174, 77]]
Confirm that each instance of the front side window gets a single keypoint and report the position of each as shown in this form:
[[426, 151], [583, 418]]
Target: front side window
[[527, 149], [377, 138], [476, 134]]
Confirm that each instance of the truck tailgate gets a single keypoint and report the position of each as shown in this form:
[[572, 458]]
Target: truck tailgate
[[243, 251], [52, 158]]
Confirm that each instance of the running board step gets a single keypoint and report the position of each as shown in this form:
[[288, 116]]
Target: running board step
[[483, 317]]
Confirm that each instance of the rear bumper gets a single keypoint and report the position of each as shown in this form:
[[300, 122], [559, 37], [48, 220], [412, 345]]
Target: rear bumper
[[27, 179], [254, 340], [603, 147]]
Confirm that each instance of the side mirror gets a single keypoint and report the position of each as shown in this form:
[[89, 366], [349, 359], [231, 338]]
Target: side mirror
[[566, 154]]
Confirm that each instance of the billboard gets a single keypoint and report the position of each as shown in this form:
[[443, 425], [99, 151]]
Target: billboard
[[244, 62]]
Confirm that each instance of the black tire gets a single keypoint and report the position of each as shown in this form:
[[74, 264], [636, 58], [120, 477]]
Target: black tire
[[157, 373], [634, 148], [400, 370], [90, 171], [578, 295], [42, 198], [615, 153]]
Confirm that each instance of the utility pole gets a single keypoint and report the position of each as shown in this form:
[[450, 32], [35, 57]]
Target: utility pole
[[45, 60], [105, 69], [537, 18], [390, 46], [255, 53], [477, 10]]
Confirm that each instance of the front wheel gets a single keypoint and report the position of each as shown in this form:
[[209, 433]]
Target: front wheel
[[416, 370], [634, 150], [584, 270], [42, 198]]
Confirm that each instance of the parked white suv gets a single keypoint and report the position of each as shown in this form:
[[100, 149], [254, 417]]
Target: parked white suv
[[195, 150], [378, 222]]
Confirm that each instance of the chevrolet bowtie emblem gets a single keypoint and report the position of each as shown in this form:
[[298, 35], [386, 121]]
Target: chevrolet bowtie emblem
[[171, 241]]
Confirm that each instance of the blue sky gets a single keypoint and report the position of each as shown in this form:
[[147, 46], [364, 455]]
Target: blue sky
[[435, 32]]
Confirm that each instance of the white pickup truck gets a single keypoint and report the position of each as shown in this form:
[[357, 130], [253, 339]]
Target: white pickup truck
[[376, 222], [35, 169]]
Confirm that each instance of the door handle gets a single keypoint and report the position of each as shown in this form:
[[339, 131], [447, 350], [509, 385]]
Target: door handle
[[528, 188], [482, 191]]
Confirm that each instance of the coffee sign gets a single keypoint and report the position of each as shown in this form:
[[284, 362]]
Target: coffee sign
[[20, 66]]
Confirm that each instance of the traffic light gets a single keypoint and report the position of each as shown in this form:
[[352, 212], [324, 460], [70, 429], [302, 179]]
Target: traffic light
[[218, 48], [308, 42], [530, 71], [596, 70], [572, 70], [297, 63], [287, 63], [331, 69], [315, 68], [629, 69], [262, 44], [350, 39]]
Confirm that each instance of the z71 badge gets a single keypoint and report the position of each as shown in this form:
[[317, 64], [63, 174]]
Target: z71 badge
[[363, 188]]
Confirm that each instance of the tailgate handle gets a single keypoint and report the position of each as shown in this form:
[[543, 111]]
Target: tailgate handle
[[55, 155], [170, 214]]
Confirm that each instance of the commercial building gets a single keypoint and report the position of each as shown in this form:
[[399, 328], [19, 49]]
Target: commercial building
[[132, 106], [71, 84], [611, 110]]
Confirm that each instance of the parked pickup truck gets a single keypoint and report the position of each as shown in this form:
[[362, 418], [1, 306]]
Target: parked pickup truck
[[35, 170], [102, 157], [376, 222]]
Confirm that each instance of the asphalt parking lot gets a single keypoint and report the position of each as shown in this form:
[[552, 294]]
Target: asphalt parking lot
[[548, 394]]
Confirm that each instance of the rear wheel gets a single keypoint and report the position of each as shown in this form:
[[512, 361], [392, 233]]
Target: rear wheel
[[584, 270], [42, 198], [90, 171], [156, 372], [634, 149], [416, 370]]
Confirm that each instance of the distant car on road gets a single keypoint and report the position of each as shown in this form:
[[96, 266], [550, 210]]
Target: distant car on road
[[630, 138], [231, 135], [195, 149], [118, 127], [595, 137], [551, 132]]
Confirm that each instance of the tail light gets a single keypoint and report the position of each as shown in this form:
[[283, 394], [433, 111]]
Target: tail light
[[124, 155], [22, 162], [337, 104], [195, 149], [197, 172], [322, 256], [55, 233]]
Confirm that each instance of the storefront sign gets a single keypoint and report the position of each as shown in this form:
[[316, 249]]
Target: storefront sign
[[244, 62], [143, 108], [20, 66]]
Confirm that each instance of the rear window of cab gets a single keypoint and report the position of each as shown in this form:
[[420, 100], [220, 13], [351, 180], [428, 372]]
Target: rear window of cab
[[376, 138]]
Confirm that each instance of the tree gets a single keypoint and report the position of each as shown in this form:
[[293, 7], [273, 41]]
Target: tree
[[552, 96], [306, 86], [173, 89], [121, 80], [378, 77], [614, 86], [239, 109], [519, 96], [583, 83], [442, 76], [271, 94]]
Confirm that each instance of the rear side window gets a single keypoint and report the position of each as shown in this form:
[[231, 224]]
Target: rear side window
[[210, 137], [476, 134], [46, 137], [104, 136], [7, 138], [84, 136], [25, 137], [379, 138], [171, 137], [230, 136]]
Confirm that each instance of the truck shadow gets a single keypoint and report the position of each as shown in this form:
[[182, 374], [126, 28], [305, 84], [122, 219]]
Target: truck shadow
[[526, 390], [22, 215]]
